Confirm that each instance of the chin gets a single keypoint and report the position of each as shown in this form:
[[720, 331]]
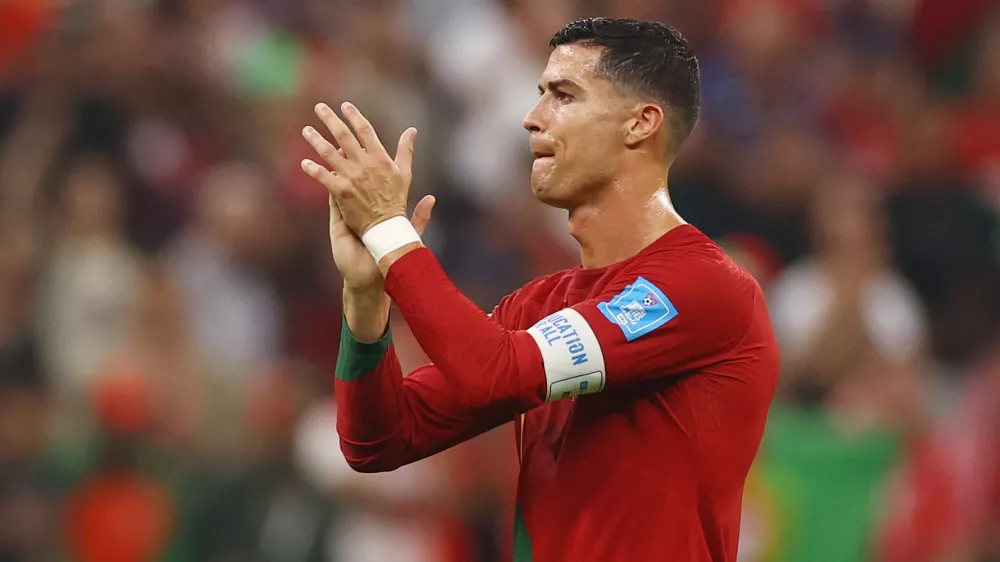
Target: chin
[[551, 197]]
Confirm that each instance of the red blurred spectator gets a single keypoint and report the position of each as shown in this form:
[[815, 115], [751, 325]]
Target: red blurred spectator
[[940, 27], [118, 517], [21, 24], [946, 500], [122, 403], [118, 514], [978, 121]]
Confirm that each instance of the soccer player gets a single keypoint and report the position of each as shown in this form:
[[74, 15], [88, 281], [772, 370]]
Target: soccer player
[[639, 382]]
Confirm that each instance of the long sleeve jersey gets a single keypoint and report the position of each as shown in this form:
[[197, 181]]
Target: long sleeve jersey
[[639, 393]]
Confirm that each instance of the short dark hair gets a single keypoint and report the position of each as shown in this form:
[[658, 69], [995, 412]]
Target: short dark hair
[[647, 58]]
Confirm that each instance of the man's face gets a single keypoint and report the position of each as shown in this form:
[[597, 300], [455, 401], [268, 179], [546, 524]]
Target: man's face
[[577, 128]]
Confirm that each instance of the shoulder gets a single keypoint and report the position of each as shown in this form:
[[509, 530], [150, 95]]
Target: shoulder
[[542, 285], [531, 295], [704, 286], [697, 269]]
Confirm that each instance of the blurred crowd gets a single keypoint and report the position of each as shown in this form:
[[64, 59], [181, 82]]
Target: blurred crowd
[[169, 312]]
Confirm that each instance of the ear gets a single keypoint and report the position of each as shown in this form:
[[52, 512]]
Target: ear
[[645, 122]]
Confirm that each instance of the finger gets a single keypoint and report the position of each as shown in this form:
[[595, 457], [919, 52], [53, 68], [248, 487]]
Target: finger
[[341, 133], [404, 151], [364, 130], [335, 216], [422, 214], [338, 227], [330, 154], [334, 184]]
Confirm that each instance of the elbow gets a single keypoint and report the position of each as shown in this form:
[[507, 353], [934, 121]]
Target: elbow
[[369, 459], [372, 465]]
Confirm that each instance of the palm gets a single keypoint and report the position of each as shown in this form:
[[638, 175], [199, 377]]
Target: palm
[[356, 265]]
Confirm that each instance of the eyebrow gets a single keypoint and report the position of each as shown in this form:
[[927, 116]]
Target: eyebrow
[[557, 84]]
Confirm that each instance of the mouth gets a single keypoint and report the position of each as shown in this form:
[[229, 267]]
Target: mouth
[[541, 150]]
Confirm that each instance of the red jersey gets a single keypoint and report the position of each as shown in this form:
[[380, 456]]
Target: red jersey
[[639, 392]]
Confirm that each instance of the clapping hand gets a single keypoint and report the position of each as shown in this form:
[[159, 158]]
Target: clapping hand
[[367, 184], [366, 187]]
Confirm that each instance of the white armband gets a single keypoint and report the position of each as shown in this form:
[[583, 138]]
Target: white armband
[[571, 355], [389, 235]]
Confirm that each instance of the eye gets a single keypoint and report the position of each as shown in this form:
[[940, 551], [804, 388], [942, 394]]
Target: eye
[[562, 96]]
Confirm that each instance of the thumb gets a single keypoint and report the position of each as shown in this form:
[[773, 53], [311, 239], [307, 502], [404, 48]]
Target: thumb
[[422, 214], [404, 151]]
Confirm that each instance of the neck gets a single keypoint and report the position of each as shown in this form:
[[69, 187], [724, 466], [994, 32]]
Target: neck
[[623, 221]]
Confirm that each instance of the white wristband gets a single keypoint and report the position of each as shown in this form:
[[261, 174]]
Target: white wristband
[[388, 236]]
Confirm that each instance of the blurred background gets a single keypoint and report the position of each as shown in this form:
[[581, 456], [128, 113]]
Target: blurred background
[[169, 311]]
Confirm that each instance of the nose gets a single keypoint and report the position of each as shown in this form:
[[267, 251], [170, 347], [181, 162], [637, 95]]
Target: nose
[[532, 121]]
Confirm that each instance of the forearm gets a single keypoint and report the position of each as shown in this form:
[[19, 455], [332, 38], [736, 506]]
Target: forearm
[[386, 420], [366, 312], [367, 374], [493, 367], [370, 421]]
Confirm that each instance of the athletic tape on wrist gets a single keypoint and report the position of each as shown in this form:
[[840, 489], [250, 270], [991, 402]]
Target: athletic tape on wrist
[[388, 236]]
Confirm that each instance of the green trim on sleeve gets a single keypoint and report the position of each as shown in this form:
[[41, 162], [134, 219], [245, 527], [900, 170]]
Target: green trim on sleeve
[[522, 541], [356, 359]]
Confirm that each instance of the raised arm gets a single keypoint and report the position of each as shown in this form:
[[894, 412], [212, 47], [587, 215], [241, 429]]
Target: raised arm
[[385, 419], [629, 333]]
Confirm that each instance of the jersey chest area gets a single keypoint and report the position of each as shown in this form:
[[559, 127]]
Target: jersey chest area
[[546, 428], [650, 418], [590, 425]]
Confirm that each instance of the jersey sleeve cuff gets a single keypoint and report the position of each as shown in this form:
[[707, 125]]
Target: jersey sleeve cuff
[[356, 359], [401, 273]]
